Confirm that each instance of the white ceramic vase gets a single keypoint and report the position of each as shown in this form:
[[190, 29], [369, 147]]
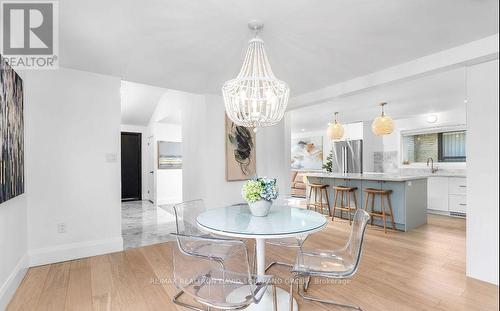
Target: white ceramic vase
[[260, 208]]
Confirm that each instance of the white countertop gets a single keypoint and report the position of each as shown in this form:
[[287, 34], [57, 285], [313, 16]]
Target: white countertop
[[446, 175], [369, 176]]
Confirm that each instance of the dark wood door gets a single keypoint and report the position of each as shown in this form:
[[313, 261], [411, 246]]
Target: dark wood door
[[131, 166]]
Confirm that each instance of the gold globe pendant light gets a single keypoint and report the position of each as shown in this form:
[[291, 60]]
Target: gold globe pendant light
[[383, 125], [335, 130]]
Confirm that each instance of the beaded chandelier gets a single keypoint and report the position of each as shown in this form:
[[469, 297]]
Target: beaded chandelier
[[255, 98]]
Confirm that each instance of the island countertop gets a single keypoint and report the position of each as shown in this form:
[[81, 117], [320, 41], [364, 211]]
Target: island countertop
[[367, 176]]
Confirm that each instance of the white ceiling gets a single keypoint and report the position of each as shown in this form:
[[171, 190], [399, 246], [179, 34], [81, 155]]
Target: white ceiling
[[174, 116], [195, 46], [138, 102], [435, 93]]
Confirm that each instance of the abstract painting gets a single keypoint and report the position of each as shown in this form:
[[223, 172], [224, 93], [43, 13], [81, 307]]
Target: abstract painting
[[307, 153], [240, 152], [169, 155], [12, 133]]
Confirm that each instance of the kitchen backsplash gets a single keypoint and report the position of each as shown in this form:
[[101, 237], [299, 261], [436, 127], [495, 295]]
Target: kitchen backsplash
[[387, 162]]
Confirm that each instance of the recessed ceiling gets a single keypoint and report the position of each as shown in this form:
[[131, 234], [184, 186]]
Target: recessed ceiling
[[138, 102], [435, 93], [195, 46]]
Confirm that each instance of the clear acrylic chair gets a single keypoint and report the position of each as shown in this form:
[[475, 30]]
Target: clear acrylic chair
[[185, 217], [295, 242], [185, 220], [214, 282], [342, 263]]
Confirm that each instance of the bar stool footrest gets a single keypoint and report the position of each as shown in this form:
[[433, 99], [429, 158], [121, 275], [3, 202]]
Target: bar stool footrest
[[379, 214]]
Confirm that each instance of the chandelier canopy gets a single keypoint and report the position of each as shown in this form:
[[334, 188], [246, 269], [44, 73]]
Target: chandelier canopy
[[255, 98]]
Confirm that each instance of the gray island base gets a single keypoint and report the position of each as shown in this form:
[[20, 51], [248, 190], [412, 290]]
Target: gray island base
[[409, 195]]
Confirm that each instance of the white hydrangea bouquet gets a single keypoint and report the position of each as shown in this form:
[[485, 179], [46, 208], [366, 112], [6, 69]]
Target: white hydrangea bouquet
[[259, 194]]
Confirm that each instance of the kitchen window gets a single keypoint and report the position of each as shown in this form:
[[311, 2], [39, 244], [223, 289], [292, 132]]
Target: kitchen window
[[443, 146]]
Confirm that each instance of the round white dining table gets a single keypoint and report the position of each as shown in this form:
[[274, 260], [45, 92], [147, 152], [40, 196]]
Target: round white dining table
[[282, 222]]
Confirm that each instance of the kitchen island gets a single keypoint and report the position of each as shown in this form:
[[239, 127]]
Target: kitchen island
[[409, 194]]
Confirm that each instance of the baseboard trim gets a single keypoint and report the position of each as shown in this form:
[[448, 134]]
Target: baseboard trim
[[9, 287], [438, 212], [65, 252]]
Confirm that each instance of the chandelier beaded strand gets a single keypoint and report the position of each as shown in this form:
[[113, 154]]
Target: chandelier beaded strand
[[255, 98]]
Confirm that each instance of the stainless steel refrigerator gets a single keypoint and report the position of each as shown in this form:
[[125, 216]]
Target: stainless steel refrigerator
[[347, 156]]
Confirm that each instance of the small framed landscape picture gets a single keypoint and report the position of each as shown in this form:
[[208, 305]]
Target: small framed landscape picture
[[169, 155]]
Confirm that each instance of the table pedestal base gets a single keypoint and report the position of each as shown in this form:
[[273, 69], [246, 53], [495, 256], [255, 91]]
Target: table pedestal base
[[266, 303]]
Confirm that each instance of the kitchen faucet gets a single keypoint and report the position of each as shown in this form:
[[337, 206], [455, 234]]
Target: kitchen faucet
[[433, 170]]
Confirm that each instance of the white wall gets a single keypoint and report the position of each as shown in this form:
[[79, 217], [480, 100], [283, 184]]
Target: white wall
[[204, 153], [165, 125], [168, 182], [13, 246], [144, 156], [219, 191], [482, 172], [273, 156], [194, 153], [73, 165], [14, 235], [371, 144]]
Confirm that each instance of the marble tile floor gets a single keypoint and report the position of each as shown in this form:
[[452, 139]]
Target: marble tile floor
[[144, 223]]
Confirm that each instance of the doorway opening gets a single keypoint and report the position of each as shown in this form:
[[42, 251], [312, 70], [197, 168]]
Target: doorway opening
[[151, 163], [131, 166]]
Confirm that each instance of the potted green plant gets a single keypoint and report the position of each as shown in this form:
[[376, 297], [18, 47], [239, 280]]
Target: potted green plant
[[328, 166], [259, 194]]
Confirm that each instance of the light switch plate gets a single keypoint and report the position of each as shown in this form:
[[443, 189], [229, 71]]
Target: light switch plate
[[61, 227]]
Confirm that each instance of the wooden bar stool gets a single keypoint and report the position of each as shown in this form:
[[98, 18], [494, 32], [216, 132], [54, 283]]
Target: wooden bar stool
[[318, 190], [344, 194], [382, 213]]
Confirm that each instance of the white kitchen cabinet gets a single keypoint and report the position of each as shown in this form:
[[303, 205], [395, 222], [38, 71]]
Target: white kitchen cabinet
[[458, 203], [457, 190], [447, 195], [437, 193], [457, 185]]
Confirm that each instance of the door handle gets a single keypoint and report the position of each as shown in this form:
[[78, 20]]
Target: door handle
[[151, 172]]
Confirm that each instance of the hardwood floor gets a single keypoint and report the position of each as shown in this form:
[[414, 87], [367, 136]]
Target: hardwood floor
[[419, 270]]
